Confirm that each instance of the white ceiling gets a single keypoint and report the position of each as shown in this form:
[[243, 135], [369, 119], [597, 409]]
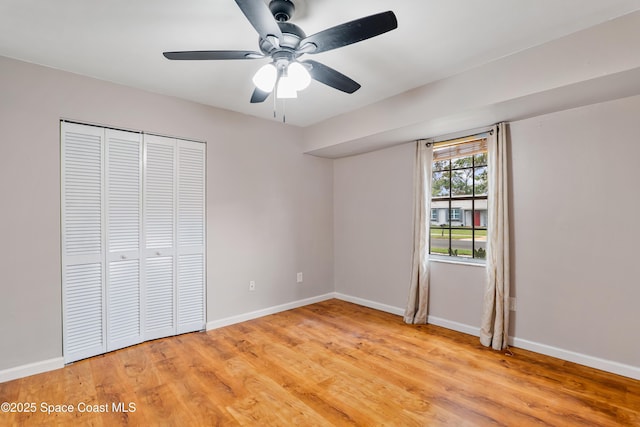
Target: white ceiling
[[122, 41]]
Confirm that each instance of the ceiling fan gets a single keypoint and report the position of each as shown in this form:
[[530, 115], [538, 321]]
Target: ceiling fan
[[285, 43]]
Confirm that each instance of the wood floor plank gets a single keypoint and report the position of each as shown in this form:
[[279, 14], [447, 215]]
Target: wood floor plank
[[327, 364]]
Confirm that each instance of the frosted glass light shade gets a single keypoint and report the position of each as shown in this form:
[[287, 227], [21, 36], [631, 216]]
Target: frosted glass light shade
[[265, 77], [286, 88], [299, 74]]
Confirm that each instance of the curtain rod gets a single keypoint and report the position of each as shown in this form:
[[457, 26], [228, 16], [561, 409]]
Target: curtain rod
[[455, 141]]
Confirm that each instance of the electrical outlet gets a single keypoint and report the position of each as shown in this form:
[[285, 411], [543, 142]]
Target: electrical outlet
[[299, 278], [512, 304], [252, 285]]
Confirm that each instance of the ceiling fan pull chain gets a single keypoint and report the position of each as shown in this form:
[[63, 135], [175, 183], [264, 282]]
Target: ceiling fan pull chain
[[275, 105]]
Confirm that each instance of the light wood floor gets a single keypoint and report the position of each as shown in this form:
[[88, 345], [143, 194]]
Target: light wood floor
[[331, 363]]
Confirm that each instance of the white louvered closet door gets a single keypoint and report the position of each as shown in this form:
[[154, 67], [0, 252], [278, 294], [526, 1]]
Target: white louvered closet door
[[133, 238], [124, 219], [159, 236], [83, 291], [191, 236]]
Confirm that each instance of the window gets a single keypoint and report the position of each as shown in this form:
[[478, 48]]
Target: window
[[459, 187]]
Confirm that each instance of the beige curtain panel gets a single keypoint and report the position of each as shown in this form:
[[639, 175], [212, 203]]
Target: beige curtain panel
[[495, 315], [417, 306]]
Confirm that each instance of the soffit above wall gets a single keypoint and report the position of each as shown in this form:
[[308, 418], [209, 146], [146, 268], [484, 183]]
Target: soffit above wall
[[595, 65]]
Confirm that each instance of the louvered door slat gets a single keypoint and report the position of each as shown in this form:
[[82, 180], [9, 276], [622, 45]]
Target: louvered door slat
[[159, 193], [82, 190], [191, 175], [84, 310], [123, 325], [123, 196], [190, 293], [159, 295]]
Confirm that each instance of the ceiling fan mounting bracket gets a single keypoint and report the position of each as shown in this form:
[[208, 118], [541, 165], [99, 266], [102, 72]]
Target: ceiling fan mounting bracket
[[282, 10]]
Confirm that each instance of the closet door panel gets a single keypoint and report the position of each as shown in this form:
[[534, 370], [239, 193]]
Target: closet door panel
[[191, 236], [124, 188], [82, 241], [159, 236], [124, 219]]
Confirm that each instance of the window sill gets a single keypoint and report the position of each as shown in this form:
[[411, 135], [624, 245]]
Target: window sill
[[457, 260]]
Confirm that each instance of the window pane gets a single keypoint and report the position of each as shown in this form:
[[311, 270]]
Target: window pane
[[462, 182], [480, 159], [481, 181], [461, 242], [441, 165], [440, 239], [480, 243], [462, 162], [440, 184]]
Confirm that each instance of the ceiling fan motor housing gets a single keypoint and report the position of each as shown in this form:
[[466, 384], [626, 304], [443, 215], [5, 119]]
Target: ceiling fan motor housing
[[290, 40], [282, 10]]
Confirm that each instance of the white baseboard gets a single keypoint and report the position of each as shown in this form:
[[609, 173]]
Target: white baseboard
[[31, 369], [579, 358], [454, 326], [570, 356], [227, 321], [371, 304], [547, 350]]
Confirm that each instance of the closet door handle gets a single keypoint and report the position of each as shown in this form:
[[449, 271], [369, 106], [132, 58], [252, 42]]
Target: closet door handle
[[158, 253], [123, 257]]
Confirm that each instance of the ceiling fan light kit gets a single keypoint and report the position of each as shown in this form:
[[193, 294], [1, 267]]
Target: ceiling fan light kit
[[286, 89], [285, 42], [265, 77], [294, 75]]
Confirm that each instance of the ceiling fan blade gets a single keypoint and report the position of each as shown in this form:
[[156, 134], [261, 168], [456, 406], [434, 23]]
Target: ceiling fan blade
[[212, 54], [259, 96], [351, 32], [259, 15], [331, 77]]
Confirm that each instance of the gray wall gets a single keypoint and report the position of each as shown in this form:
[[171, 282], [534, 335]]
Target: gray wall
[[270, 208], [372, 219], [575, 272], [575, 200]]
